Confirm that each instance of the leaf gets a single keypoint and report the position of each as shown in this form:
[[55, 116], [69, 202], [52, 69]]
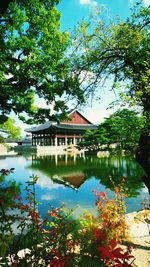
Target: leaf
[[3, 250], [113, 243], [85, 261]]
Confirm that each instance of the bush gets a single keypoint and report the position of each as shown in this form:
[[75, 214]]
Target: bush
[[59, 239]]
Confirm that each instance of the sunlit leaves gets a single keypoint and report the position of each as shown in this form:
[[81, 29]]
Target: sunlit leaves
[[33, 60], [122, 128], [119, 50], [14, 131]]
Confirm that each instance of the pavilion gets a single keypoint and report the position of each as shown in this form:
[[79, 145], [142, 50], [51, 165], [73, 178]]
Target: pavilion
[[68, 132]]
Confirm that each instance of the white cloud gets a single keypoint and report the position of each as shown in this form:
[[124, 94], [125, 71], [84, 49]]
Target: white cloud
[[86, 77], [146, 2], [47, 197], [45, 182], [97, 114], [85, 2], [41, 103], [91, 3]]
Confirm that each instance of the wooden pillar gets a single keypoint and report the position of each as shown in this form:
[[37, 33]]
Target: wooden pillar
[[37, 139], [32, 139], [44, 137], [55, 140], [52, 141], [39, 142]]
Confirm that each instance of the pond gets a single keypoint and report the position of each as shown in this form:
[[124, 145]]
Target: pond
[[71, 179]]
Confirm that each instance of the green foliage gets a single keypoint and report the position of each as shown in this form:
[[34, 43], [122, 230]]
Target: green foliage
[[2, 140], [123, 128], [93, 140], [8, 192], [14, 131], [32, 60], [119, 50]]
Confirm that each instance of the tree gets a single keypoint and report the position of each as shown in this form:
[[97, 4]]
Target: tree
[[4, 5], [122, 127], [94, 140], [32, 60], [119, 50], [14, 131]]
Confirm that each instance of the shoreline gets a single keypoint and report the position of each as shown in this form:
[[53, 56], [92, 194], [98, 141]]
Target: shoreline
[[139, 236]]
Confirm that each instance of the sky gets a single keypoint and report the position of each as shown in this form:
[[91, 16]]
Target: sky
[[73, 11]]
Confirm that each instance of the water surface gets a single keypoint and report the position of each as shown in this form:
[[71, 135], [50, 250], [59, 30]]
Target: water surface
[[72, 179]]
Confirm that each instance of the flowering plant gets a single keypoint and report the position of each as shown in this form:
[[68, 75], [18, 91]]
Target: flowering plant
[[59, 239]]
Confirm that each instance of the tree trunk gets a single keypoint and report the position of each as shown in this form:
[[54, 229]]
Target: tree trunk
[[4, 5], [143, 157]]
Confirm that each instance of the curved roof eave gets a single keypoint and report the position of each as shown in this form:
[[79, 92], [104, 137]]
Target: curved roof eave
[[62, 126]]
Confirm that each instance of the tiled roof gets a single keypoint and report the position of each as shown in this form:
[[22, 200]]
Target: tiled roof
[[4, 131], [61, 126], [41, 127], [75, 126]]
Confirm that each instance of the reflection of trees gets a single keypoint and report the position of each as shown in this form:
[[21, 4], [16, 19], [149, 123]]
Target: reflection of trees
[[117, 168], [88, 167]]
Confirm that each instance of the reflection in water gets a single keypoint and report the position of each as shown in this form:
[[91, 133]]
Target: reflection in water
[[76, 170], [71, 179]]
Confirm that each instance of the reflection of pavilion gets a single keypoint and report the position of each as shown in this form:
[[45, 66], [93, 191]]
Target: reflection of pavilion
[[62, 169], [75, 180], [59, 159], [73, 173]]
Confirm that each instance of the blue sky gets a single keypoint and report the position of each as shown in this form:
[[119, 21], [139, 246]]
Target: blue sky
[[74, 11]]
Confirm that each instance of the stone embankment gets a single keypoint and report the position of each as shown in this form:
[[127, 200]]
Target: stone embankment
[[139, 237], [3, 149]]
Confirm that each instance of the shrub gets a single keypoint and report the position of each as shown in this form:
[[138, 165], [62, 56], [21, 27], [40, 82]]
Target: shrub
[[59, 239]]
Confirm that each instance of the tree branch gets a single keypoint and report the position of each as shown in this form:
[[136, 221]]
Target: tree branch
[[4, 5], [145, 24], [17, 60]]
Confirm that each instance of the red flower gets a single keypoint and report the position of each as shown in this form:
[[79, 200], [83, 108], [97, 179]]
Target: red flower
[[113, 243], [117, 255], [56, 262], [99, 234], [106, 253], [54, 213], [103, 195], [109, 252]]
